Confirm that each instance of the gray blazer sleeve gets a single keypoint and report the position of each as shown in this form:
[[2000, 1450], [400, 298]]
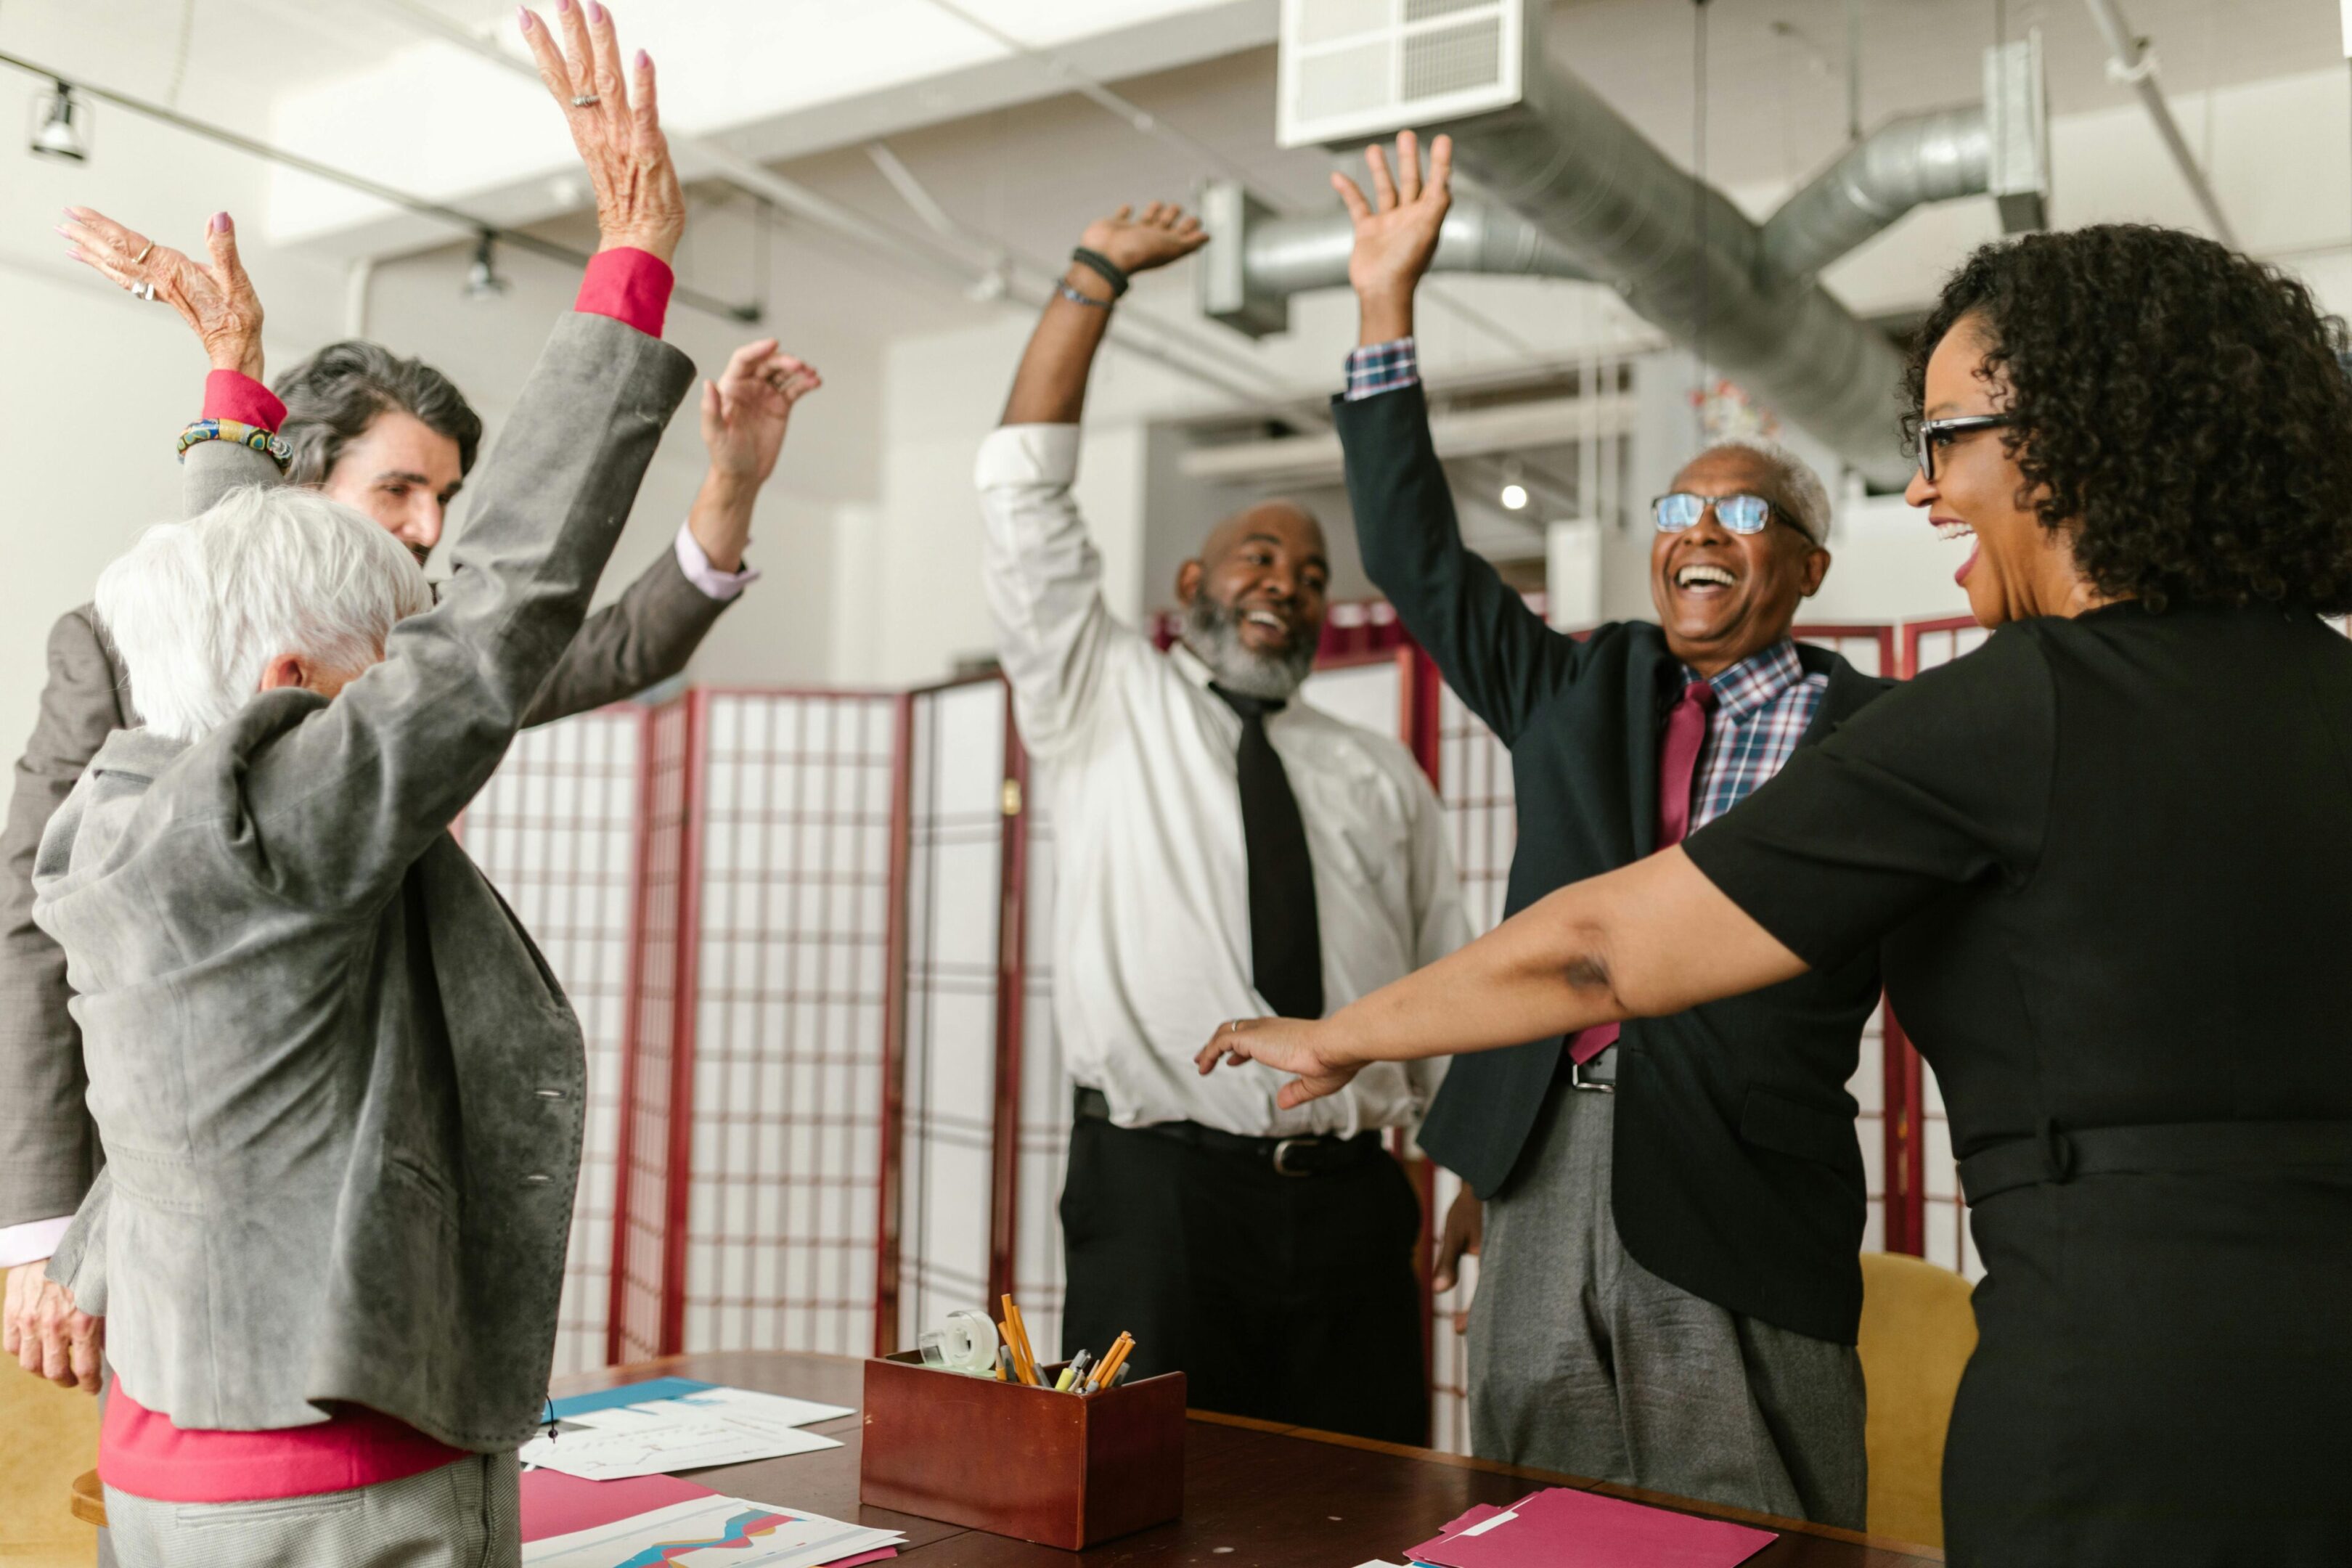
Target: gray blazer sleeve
[[343, 798], [48, 1148], [210, 470], [640, 639]]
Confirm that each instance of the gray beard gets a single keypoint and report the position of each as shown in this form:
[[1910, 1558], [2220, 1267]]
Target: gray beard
[[1213, 631]]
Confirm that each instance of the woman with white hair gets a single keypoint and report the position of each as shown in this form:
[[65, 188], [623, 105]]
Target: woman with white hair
[[339, 1091]]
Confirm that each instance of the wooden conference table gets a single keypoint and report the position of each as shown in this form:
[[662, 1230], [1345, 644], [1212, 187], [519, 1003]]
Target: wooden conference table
[[1256, 1495]]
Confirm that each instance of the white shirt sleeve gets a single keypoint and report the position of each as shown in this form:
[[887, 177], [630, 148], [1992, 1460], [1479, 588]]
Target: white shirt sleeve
[[1044, 580], [695, 561], [32, 1241]]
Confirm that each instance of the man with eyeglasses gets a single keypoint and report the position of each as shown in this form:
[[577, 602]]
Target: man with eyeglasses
[[1671, 1215]]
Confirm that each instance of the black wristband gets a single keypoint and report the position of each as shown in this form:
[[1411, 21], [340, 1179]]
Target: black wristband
[[1103, 266]]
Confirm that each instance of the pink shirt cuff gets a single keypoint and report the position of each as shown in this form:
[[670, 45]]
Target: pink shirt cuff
[[232, 394], [720, 585], [629, 285]]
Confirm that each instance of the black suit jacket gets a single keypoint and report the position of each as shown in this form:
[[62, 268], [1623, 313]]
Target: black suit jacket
[[1738, 1175]]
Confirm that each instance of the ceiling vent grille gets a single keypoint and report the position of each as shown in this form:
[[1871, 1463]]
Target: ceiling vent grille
[[1353, 68]]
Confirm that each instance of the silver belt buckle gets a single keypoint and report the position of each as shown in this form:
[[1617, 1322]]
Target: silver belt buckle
[[1284, 1148], [1576, 1081]]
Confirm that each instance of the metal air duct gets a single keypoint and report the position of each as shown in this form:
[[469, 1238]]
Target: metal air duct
[[1906, 162], [1619, 210], [1256, 261]]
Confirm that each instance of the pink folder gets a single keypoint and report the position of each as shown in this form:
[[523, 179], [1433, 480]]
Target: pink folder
[[1560, 1528], [556, 1504]]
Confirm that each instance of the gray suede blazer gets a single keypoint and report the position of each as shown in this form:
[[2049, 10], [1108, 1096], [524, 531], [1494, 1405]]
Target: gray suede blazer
[[338, 1089], [48, 1149]]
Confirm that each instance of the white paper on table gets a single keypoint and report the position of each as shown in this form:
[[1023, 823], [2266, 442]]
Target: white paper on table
[[742, 1404], [613, 1456], [761, 1537]]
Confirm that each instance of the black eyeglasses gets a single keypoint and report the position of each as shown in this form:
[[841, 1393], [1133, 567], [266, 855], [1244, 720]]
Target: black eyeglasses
[[1940, 433], [1682, 509]]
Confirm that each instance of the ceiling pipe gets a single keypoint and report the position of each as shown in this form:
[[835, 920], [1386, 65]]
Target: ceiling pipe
[[1687, 259], [1938, 156], [1255, 261], [2132, 63]]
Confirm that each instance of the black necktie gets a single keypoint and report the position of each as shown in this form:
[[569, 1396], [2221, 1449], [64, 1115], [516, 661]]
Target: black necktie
[[1285, 941]]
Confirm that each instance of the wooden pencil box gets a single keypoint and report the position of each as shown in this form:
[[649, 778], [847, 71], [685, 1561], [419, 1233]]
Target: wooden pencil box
[[1055, 1468]]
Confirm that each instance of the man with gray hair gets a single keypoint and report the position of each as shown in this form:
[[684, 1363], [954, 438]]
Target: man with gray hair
[[1669, 1286], [340, 1092], [1221, 850]]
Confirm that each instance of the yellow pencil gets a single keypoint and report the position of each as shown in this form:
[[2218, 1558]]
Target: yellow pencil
[[1116, 1358], [1025, 1358]]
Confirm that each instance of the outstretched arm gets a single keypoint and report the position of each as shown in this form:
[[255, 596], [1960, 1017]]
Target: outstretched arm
[[1653, 938], [649, 633], [1038, 568], [1050, 388], [1497, 655], [341, 801]]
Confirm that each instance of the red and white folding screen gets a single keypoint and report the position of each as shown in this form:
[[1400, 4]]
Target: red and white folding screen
[[808, 934]]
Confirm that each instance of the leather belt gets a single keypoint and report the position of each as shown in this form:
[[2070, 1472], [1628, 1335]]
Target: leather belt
[[2174, 1149], [1598, 1075], [1311, 1156]]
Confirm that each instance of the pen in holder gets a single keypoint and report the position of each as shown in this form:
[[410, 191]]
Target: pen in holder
[[965, 1343]]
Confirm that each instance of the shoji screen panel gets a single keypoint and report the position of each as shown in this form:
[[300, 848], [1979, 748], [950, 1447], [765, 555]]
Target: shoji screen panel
[[1870, 649], [643, 1319], [954, 899], [555, 829], [794, 861]]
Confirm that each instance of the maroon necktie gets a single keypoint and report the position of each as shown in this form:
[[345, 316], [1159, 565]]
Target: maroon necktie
[[1677, 767]]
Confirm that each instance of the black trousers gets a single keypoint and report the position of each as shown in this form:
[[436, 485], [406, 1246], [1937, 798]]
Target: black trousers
[[1289, 1298]]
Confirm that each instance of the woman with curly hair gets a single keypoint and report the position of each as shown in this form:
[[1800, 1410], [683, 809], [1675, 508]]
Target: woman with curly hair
[[2108, 857]]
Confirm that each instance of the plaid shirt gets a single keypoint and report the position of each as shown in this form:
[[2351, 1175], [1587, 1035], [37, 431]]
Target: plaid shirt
[[1382, 367], [1762, 705]]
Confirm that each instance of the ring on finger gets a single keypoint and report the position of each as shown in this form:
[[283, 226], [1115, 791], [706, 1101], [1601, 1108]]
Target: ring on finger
[[142, 291], [142, 255], [586, 101]]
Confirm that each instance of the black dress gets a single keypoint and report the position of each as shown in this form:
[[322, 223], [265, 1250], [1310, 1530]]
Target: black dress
[[2110, 860]]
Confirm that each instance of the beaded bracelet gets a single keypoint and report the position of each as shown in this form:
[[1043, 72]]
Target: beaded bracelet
[[266, 442]]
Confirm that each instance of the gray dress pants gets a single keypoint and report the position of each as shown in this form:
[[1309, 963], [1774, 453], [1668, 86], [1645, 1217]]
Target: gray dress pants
[[466, 1514], [1582, 1360]]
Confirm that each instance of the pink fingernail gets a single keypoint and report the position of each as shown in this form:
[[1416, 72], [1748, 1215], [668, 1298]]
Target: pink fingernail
[[644, 60], [220, 223], [596, 13], [522, 17], [564, 7]]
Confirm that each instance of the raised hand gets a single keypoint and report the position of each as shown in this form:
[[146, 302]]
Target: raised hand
[[615, 126], [1138, 242], [1302, 1046], [217, 300], [1397, 230], [746, 410]]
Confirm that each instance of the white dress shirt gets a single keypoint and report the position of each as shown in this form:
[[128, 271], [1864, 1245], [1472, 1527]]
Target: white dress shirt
[[1151, 925]]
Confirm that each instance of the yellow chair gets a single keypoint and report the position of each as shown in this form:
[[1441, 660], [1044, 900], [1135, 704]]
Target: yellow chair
[[48, 1438], [1917, 1332]]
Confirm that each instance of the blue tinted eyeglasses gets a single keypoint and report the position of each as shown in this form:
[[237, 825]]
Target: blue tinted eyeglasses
[[1682, 509]]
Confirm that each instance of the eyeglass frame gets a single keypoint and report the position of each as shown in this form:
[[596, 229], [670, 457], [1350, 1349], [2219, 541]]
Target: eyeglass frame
[[1772, 511], [1931, 430]]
